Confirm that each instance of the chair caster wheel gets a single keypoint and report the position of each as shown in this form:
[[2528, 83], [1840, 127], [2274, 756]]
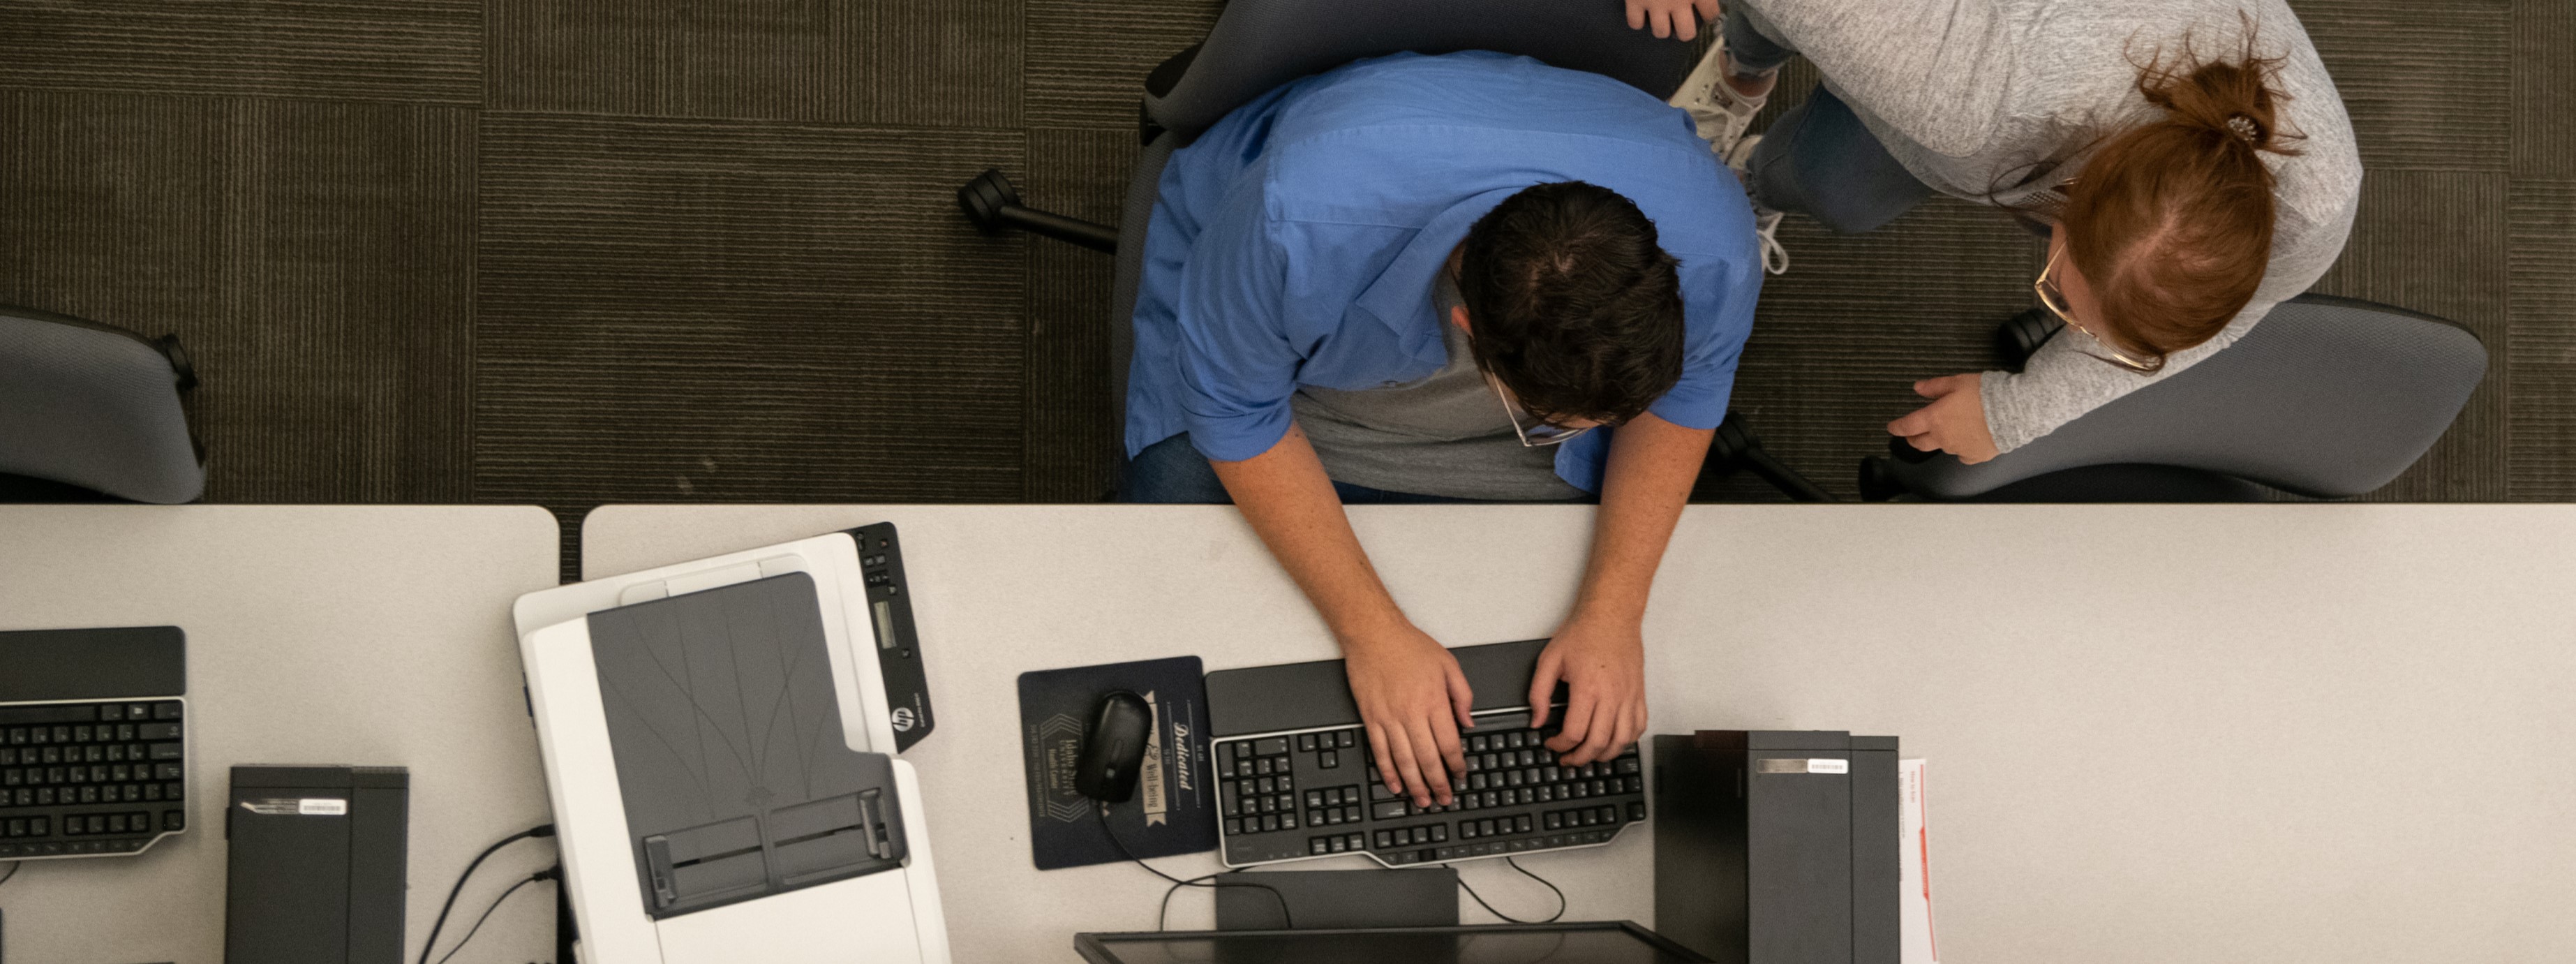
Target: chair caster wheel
[[984, 198], [2021, 335]]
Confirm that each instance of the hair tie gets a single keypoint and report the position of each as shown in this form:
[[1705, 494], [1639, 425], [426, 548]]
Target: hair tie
[[2245, 127]]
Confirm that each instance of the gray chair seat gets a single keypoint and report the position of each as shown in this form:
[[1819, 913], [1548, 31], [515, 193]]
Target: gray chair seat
[[96, 407]]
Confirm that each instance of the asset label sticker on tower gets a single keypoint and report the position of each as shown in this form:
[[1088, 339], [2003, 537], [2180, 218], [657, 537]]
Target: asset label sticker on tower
[[1802, 766]]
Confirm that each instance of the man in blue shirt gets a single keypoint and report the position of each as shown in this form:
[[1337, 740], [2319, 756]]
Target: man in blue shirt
[[1462, 276]]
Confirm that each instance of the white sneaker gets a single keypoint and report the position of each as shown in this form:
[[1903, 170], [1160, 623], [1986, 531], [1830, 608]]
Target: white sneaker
[[1766, 222], [1721, 113]]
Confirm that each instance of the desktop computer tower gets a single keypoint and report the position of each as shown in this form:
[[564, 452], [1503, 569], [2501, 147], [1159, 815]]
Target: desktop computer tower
[[1777, 847]]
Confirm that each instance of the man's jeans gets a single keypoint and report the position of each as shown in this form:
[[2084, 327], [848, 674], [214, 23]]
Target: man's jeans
[[1170, 471], [1818, 159]]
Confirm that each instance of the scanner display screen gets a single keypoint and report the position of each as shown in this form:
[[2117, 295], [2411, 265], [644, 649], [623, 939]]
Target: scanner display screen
[[885, 624]]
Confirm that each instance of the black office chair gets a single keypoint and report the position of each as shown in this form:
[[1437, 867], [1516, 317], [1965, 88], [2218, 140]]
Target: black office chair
[[2327, 398], [1258, 45], [91, 412]]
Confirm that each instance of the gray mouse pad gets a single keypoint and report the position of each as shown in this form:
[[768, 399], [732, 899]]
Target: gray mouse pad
[[1174, 809]]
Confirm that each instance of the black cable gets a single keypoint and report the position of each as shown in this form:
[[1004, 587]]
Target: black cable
[[1507, 918], [1103, 813], [1163, 914], [13, 871], [540, 830], [549, 873]]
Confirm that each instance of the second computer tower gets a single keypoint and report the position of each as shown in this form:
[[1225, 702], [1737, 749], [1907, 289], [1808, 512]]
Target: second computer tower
[[1777, 847]]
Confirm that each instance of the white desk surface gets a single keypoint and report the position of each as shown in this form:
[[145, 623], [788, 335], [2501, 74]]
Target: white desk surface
[[2196, 733], [316, 634]]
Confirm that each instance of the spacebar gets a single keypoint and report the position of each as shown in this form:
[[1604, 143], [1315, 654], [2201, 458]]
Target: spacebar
[[22, 715]]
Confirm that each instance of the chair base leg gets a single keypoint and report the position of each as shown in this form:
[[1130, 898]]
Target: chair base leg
[[993, 206], [1734, 446]]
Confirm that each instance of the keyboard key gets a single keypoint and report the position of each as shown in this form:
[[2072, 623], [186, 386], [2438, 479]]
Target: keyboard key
[[1233, 825], [165, 711], [170, 791], [165, 751], [1390, 810], [1331, 759], [157, 731], [111, 712], [1346, 739], [166, 771], [1306, 743], [1636, 811], [1273, 746], [1319, 845]]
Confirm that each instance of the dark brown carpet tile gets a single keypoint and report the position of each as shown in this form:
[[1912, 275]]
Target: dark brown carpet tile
[[2544, 88], [930, 62], [410, 50], [315, 257], [1086, 60], [1839, 341], [2541, 341], [1072, 436], [2434, 241], [733, 310], [2427, 84]]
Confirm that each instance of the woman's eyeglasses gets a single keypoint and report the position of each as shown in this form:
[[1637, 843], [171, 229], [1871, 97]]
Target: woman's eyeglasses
[[1532, 436], [2055, 300]]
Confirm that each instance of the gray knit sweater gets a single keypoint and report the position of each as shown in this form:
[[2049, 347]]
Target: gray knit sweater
[[1970, 94]]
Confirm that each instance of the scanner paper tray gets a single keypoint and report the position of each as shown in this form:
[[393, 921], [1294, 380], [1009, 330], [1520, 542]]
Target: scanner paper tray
[[728, 744]]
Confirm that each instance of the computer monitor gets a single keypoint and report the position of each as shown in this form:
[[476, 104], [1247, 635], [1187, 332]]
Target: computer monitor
[[1587, 942]]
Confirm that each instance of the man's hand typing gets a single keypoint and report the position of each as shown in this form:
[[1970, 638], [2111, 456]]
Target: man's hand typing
[[1414, 700], [1603, 664]]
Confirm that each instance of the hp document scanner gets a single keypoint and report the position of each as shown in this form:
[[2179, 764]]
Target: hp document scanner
[[718, 740]]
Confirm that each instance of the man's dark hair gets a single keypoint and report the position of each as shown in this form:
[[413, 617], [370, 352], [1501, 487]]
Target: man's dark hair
[[1571, 304]]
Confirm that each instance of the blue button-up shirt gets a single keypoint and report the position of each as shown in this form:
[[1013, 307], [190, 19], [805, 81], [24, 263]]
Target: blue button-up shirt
[[1297, 241]]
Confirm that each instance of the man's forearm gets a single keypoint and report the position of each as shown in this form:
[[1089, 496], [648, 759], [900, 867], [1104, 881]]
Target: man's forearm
[[1653, 464], [1290, 503]]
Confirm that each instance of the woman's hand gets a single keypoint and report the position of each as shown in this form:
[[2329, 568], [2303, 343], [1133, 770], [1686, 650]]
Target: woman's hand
[[1414, 700], [1955, 422], [1671, 18]]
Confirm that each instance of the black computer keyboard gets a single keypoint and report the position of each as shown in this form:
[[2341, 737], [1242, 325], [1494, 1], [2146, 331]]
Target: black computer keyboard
[[1316, 793], [93, 744], [90, 779]]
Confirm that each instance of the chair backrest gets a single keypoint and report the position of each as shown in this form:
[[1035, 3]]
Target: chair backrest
[[93, 406], [1260, 44], [2327, 397]]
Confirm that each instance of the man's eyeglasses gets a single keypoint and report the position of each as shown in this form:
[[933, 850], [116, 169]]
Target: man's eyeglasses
[[2055, 300], [1532, 436]]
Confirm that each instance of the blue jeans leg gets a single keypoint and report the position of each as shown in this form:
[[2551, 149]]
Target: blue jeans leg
[[1171, 472], [1820, 161], [1751, 51]]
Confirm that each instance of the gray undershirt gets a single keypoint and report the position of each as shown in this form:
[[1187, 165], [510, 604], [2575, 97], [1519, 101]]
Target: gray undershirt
[[1445, 434]]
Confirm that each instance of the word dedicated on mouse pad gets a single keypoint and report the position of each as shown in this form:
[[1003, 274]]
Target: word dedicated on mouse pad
[[1173, 810]]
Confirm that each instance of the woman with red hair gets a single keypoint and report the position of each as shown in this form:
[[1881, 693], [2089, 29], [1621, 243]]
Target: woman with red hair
[[2189, 161]]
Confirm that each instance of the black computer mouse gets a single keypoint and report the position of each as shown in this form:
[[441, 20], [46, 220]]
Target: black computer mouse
[[1114, 748]]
